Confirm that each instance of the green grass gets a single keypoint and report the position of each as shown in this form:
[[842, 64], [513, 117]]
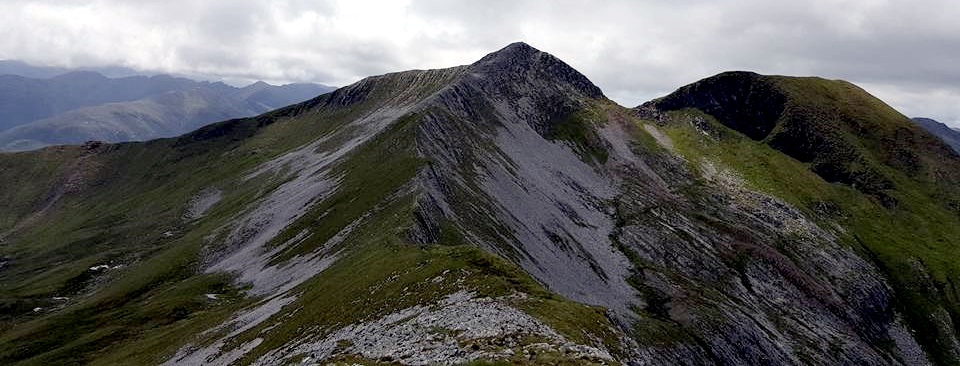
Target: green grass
[[579, 128], [26, 179]]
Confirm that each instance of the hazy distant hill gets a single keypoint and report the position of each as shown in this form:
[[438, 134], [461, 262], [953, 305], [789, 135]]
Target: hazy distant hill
[[84, 105], [23, 100], [164, 115], [949, 135], [20, 68]]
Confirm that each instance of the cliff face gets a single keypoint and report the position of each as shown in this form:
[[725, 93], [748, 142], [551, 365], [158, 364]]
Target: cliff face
[[503, 210]]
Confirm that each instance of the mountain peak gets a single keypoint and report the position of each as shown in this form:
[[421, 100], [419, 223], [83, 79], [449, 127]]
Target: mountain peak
[[515, 49], [520, 60]]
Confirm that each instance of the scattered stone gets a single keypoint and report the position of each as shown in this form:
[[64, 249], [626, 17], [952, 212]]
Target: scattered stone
[[477, 328], [203, 201]]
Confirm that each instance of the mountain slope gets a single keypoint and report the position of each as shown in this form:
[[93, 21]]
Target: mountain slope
[[351, 200], [948, 135], [503, 210], [840, 134]]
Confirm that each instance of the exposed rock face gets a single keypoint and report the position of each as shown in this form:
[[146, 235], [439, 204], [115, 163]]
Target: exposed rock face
[[732, 275], [515, 192], [751, 281]]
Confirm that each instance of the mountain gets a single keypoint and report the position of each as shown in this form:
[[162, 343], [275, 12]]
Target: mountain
[[949, 135], [83, 106], [20, 68], [843, 145], [503, 210], [165, 115], [23, 100], [274, 96]]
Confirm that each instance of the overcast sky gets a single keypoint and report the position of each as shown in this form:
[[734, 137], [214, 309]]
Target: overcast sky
[[905, 52]]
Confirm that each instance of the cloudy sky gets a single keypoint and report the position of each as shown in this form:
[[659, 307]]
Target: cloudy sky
[[905, 52]]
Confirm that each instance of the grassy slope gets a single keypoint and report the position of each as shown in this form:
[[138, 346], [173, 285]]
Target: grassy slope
[[139, 193], [144, 312], [920, 230], [884, 137]]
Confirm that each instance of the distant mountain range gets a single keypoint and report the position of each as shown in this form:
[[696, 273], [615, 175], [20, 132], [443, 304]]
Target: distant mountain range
[[79, 106], [15, 67], [949, 135]]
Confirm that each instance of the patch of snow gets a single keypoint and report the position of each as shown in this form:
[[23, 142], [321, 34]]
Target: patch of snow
[[100, 267]]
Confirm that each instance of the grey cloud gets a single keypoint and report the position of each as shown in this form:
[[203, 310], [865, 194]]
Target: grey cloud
[[905, 52]]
